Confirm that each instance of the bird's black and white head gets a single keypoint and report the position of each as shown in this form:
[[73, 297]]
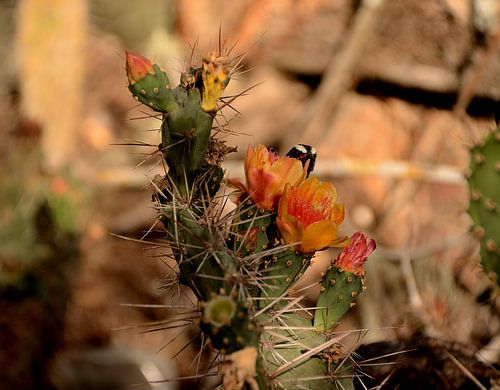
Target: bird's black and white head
[[304, 153]]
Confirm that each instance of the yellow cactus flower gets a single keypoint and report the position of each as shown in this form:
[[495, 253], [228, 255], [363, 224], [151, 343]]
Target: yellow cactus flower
[[267, 174], [353, 257], [308, 215]]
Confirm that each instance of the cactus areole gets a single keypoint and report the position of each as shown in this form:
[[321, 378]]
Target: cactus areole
[[242, 266]]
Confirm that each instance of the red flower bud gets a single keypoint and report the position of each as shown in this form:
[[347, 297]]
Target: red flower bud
[[137, 67]]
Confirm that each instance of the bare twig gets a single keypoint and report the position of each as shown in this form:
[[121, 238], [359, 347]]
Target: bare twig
[[411, 284], [465, 371]]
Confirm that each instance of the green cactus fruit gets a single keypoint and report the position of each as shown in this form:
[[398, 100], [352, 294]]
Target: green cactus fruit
[[339, 291], [149, 83], [484, 205], [343, 282], [220, 311], [226, 324]]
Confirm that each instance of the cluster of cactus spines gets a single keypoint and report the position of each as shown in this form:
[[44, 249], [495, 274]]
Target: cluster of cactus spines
[[239, 264], [484, 205]]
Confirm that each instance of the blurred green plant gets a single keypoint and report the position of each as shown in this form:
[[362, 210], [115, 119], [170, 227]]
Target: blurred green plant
[[38, 253], [25, 191]]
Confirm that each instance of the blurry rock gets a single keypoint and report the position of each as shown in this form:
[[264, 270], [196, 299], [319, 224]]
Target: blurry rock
[[418, 43], [489, 82], [260, 25], [267, 110], [367, 128], [112, 368], [414, 204], [363, 217], [310, 40], [375, 130], [106, 81], [97, 131], [458, 9], [486, 15]]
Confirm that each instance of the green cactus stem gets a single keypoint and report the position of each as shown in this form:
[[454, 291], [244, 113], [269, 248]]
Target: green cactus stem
[[314, 362], [226, 324], [185, 133]]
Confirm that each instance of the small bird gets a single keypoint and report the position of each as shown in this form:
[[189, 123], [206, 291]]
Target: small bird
[[304, 153]]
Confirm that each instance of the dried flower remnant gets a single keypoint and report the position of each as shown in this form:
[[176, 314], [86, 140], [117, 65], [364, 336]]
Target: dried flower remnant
[[215, 76]]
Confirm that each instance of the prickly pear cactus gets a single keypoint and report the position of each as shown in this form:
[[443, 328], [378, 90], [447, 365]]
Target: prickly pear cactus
[[484, 205], [242, 265]]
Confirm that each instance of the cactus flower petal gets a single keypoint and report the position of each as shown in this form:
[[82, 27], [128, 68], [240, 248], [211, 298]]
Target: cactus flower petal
[[137, 67], [318, 235], [309, 215], [353, 257], [267, 174]]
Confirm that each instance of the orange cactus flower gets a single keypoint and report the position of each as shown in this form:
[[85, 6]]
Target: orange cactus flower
[[352, 258], [137, 66], [267, 174], [309, 216]]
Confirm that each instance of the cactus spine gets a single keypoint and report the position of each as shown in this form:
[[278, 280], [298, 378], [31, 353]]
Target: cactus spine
[[241, 266], [484, 205]]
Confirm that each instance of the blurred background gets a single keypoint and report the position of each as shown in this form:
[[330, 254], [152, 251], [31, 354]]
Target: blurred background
[[391, 93]]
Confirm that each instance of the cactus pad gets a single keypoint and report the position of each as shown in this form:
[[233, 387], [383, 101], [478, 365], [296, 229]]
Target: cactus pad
[[484, 206]]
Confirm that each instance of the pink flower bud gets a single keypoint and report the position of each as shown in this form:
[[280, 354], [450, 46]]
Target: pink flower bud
[[352, 258]]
